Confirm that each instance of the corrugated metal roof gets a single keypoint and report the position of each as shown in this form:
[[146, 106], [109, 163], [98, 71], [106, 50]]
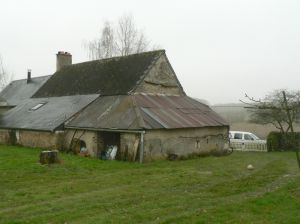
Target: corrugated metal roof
[[107, 112], [138, 112], [20, 90], [177, 112], [54, 112]]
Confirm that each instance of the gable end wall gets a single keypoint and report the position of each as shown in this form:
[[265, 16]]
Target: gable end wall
[[161, 79]]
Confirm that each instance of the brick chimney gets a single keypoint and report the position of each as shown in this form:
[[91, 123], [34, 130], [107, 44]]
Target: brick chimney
[[28, 75], [63, 59]]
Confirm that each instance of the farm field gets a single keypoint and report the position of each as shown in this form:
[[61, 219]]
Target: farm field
[[200, 190], [260, 130]]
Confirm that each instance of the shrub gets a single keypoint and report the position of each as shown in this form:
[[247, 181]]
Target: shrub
[[273, 141], [276, 141]]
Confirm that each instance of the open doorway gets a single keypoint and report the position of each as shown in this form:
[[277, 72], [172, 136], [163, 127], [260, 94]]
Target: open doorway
[[111, 145]]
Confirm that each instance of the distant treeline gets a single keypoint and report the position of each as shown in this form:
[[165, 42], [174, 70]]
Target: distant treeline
[[233, 113]]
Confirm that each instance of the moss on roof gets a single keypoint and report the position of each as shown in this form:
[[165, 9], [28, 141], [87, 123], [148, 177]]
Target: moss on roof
[[112, 76]]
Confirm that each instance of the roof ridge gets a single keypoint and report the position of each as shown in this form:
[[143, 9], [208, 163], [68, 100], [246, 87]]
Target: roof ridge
[[43, 76], [118, 57]]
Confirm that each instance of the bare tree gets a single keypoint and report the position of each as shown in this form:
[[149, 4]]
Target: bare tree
[[4, 77], [129, 39], [120, 40], [104, 47], [272, 109], [280, 108], [107, 41]]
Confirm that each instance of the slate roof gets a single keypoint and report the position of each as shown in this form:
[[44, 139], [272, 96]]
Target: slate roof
[[112, 76], [49, 117], [72, 95], [138, 112], [19, 90]]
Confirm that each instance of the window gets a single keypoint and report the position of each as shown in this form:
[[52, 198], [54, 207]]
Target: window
[[248, 137], [39, 105], [238, 136]]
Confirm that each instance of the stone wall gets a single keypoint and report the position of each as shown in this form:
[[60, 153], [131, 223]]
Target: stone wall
[[33, 139], [158, 144], [161, 79], [89, 137], [48, 140], [95, 143], [184, 142], [4, 136], [129, 146], [36, 139]]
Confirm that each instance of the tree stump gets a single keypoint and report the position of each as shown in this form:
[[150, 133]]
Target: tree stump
[[49, 157]]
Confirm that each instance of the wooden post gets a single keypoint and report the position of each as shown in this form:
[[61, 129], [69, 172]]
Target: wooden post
[[292, 128], [49, 157], [142, 147]]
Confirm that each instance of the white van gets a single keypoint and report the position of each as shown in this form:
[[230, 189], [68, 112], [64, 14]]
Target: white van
[[246, 141]]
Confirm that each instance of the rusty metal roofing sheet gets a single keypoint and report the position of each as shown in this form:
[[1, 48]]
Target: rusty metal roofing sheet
[[47, 117], [177, 112], [146, 112]]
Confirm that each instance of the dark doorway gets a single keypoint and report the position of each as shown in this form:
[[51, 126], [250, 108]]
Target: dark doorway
[[110, 139]]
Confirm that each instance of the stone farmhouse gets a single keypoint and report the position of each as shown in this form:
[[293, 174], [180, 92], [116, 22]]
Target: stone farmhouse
[[134, 102]]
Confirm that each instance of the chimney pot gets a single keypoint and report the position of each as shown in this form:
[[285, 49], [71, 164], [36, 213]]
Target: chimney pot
[[63, 59], [28, 75]]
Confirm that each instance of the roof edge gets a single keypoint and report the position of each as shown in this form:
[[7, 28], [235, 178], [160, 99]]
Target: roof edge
[[175, 75], [117, 57], [29, 129], [16, 80], [146, 72], [106, 129]]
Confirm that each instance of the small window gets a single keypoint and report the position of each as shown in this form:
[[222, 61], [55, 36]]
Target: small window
[[37, 106], [248, 137], [238, 136]]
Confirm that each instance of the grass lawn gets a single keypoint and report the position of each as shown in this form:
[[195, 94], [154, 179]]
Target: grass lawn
[[202, 190]]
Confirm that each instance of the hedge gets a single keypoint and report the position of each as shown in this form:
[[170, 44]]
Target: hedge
[[276, 141]]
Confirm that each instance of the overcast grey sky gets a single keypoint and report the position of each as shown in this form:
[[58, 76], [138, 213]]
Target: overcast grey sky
[[219, 49]]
